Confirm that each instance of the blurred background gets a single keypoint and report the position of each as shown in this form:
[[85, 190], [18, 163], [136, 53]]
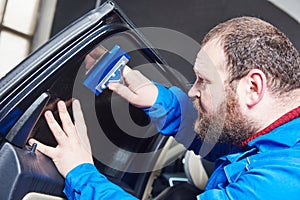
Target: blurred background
[[28, 24]]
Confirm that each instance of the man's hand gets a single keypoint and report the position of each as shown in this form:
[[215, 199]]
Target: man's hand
[[139, 91], [73, 146]]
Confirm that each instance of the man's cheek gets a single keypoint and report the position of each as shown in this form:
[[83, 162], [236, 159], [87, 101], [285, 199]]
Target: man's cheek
[[215, 97]]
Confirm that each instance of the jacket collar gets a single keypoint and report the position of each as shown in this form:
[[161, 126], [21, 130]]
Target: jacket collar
[[284, 136], [283, 133], [288, 117]]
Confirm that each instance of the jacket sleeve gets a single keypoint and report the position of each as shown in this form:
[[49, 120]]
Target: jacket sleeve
[[86, 182], [173, 114]]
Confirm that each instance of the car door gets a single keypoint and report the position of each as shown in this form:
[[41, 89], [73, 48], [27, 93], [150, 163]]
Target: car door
[[124, 143]]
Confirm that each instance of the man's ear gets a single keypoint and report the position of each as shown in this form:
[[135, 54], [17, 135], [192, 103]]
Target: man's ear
[[256, 85]]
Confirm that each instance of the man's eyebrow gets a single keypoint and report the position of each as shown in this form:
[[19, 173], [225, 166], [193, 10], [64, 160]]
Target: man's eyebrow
[[202, 75], [197, 72]]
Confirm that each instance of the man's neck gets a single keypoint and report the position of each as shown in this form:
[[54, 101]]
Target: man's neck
[[275, 111], [289, 116]]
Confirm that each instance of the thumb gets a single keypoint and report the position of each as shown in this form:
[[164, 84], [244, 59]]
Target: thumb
[[126, 70], [47, 150], [122, 90]]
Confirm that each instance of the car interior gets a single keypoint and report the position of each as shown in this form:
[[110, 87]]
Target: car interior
[[126, 147]]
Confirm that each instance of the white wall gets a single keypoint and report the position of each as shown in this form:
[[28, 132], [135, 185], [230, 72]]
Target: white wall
[[292, 7]]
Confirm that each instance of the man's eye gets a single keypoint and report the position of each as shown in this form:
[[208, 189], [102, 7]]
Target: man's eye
[[201, 82]]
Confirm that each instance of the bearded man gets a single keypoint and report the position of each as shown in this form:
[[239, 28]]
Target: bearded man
[[247, 98]]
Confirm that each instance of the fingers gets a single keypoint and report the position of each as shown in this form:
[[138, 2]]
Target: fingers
[[136, 80], [67, 123], [80, 125], [139, 90], [121, 90], [70, 151], [55, 128], [66, 120], [47, 150], [77, 112]]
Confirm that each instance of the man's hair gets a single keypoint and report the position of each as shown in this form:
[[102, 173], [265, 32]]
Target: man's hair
[[249, 42]]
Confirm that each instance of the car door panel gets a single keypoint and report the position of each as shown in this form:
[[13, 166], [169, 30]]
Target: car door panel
[[56, 72]]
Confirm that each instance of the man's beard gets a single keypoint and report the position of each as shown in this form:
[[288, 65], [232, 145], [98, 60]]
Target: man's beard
[[226, 125]]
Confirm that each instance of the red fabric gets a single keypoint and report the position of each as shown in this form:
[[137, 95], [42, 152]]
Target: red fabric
[[282, 120]]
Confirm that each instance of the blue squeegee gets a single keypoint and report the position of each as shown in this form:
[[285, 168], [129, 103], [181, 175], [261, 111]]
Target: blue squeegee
[[107, 69]]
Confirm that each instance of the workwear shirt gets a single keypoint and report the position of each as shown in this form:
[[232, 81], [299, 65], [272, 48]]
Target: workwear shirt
[[266, 166]]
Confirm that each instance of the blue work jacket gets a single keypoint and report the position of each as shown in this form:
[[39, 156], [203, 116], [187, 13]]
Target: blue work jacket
[[268, 167]]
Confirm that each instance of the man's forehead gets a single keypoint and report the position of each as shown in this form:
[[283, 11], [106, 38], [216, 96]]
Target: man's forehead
[[210, 60]]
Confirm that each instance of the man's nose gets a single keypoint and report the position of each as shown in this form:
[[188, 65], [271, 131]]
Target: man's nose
[[193, 92]]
